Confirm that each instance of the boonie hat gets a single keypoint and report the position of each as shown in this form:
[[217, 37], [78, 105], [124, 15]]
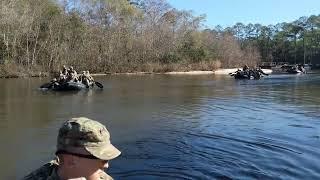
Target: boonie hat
[[86, 137]]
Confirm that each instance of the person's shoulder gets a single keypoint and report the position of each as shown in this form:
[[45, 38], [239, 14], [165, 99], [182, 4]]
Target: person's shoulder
[[43, 173]]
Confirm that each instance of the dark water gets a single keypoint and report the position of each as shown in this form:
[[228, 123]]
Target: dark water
[[174, 127]]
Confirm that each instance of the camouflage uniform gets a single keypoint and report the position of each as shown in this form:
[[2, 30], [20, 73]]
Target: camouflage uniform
[[49, 172], [79, 135], [46, 172]]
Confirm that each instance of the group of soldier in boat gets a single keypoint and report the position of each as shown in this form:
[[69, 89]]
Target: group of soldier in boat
[[298, 68], [248, 73], [70, 75]]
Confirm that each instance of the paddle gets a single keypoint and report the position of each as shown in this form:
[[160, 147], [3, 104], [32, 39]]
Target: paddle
[[263, 72], [99, 84], [46, 85], [234, 73]]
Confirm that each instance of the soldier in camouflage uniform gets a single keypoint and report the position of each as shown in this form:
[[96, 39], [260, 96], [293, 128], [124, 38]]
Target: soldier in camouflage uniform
[[83, 151]]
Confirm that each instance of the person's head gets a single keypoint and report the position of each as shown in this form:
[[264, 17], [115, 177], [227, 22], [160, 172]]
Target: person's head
[[84, 148]]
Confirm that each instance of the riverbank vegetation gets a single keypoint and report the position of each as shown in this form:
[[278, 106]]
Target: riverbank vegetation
[[142, 35]]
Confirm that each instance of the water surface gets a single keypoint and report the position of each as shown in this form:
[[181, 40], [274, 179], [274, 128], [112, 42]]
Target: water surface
[[174, 127]]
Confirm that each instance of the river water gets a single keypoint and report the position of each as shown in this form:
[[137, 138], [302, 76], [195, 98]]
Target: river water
[[174, 127]]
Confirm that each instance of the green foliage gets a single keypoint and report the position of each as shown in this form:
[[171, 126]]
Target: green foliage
[[294, 42]]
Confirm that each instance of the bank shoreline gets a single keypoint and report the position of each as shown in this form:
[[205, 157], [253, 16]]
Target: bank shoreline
[[214, 72]]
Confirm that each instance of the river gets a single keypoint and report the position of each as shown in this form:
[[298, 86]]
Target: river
[[174, 126]]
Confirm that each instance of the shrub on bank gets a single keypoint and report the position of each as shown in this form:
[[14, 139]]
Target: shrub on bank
[[11, 70]]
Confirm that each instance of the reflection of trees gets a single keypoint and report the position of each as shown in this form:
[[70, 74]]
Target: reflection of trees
[[134, 101], [188, 94], [176, 87], [21, 109], [29, 122], [141, 97], [22, 105]]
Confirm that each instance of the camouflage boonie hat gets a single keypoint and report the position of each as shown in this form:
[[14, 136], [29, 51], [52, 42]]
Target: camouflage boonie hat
[[86, 137]]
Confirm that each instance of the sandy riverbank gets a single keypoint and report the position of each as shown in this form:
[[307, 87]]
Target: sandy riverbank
[[147, 73], [218, 71]]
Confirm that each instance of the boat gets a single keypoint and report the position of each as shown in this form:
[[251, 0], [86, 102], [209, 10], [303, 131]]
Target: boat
[[250, 74], [69, 86], [241, 75], [69, 80], [307, 67], [294, 71]]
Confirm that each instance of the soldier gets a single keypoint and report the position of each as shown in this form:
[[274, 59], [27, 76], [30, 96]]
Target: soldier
[[245, 68], [72, 75], [83, 151], [62, 77], [64, 70], [81, 76], [261, 72], [54, 82], [91, 80], [84, 79], [301, 68]]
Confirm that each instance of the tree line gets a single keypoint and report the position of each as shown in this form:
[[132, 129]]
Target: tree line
[[139, 35], [294, 42]]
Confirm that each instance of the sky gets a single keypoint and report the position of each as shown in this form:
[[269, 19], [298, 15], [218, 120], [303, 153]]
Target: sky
[[226, 13]]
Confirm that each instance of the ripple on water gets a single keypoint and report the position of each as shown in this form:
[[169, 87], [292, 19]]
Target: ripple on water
[[170, 127]]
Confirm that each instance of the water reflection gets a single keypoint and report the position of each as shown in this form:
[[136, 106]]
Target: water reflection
[[175, 127]]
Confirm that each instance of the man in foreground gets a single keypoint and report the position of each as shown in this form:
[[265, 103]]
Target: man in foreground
[[83, 151]]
